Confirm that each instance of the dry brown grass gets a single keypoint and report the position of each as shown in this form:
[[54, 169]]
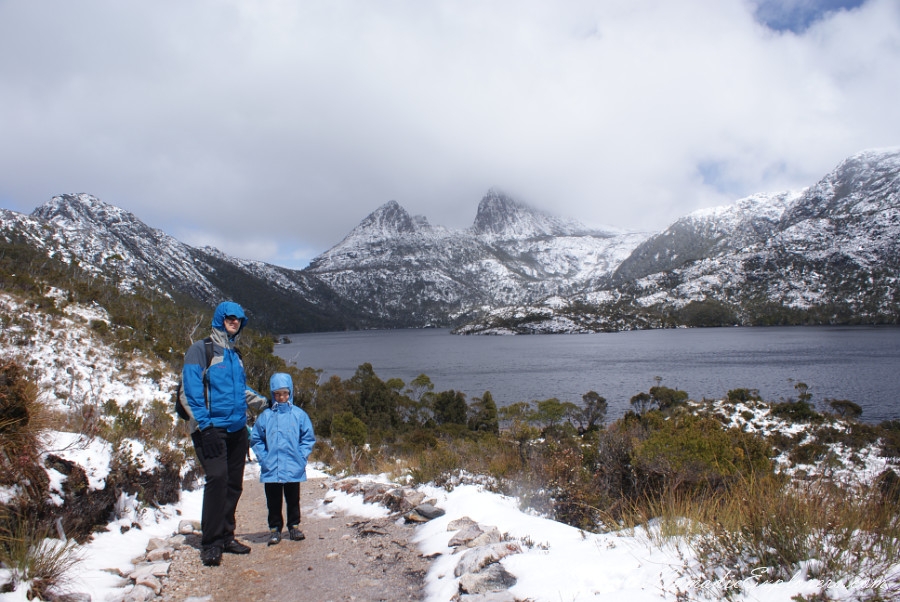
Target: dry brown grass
[[768, 530]]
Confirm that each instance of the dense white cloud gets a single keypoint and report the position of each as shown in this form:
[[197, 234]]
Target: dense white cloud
[[270, 129]]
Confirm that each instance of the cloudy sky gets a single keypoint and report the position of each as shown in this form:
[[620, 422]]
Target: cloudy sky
[[269, 129]]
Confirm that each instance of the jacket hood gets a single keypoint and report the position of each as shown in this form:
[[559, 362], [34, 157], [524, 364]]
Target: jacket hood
[[228, 308], [280, 380]]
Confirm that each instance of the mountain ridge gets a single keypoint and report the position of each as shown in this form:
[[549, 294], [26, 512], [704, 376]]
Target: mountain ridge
[[768, 258], [825, 255]]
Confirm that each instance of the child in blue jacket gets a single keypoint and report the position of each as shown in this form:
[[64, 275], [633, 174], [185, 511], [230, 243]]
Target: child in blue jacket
[[282, 440]]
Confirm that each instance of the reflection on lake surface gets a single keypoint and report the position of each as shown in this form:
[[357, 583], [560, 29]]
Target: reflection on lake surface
[[858, 363]]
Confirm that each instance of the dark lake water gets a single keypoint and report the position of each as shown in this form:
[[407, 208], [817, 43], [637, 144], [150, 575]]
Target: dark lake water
[[861, 364]]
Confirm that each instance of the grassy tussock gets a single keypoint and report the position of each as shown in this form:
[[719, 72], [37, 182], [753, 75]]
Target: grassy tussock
[[33, 558], [24, 548]]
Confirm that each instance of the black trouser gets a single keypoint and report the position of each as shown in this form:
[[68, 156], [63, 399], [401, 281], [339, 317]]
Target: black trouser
[[291, 494], [224, 484]]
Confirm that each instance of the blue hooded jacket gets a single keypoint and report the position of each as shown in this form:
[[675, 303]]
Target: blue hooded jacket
[[282, 437], [227, 382]]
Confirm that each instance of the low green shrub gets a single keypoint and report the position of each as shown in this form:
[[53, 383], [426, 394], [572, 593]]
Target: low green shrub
[[126, 423], [798, 411], [437, 464], [743, 395], [696, 451], [809, 453]]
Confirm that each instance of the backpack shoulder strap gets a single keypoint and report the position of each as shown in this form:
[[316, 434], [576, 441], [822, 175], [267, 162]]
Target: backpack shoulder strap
[[208, 345]]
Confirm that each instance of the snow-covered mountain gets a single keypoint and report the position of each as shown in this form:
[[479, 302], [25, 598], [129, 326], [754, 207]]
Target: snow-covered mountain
[[826, 254], [707, 233], [405, 267], [107, 241], [835, 246]]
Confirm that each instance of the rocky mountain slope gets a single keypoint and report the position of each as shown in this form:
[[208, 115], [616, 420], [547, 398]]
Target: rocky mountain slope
[[827, 254], [512, 253], [112, 243]]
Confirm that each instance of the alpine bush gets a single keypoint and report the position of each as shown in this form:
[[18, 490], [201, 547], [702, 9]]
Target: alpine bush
[[691, 451]]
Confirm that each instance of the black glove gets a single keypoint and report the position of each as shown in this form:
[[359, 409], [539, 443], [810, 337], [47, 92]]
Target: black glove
[[213, 446]]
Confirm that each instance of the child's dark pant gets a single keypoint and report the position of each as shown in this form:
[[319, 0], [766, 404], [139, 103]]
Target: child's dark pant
[[291, 494]]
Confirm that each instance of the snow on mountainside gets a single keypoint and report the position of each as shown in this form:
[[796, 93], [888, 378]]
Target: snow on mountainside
[[708, 232], [499, 217], [827, 254], [106, 239], [512, 253], [73, 368], [837, 243], [111, 242]]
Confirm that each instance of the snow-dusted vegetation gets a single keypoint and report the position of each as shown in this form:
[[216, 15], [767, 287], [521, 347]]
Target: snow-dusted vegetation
[[735, 497], [740, 497]]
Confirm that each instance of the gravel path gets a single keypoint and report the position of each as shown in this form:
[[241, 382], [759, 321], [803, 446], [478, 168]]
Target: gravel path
[[342, 558]]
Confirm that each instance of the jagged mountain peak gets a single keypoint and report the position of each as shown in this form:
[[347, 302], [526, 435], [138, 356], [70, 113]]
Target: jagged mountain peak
[[81, 208], [500, 216], [389, 220], [886, 157], [850, 187]]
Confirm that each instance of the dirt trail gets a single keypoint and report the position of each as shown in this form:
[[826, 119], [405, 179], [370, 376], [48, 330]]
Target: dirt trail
[[342, 558]]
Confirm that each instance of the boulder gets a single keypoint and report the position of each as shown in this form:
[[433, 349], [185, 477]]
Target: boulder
[[465, 535], [493, 579], [477, 559], [489, 537], [460, 523]]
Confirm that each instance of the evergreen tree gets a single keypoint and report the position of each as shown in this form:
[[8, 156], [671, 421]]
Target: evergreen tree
[[332, 398], [483, 414], [416, 404], [374, 402], [641, 402], [347, 426], [845, 408], [551, 412], [306, 383], [450, 407], [665, 398], [591, 416]]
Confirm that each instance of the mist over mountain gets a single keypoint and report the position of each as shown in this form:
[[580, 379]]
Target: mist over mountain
[[826, 254]]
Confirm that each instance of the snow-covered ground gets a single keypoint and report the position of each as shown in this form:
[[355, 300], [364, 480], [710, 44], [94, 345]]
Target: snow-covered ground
[[558, 562], [73, 367]]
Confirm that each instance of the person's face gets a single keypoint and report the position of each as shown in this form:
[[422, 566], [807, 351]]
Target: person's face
[[232, 324], [281, 395]]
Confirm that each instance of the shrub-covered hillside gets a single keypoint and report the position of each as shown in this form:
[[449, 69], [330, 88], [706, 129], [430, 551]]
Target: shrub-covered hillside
[[740, 482]]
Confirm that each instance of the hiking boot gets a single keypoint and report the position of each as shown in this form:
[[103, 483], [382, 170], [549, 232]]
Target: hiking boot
[[274, 537], [211, 555], [296, 534], [236, 547]]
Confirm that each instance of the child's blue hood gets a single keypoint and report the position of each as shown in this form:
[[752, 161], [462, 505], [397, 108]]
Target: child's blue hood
[[280, 380]]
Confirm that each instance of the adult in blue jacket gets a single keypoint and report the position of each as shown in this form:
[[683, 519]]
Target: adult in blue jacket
[[282, 440], [217, 399]]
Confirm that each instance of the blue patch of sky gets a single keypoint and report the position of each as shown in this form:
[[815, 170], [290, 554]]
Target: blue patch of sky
[[798, 15], [714, 175], [8, 202]]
